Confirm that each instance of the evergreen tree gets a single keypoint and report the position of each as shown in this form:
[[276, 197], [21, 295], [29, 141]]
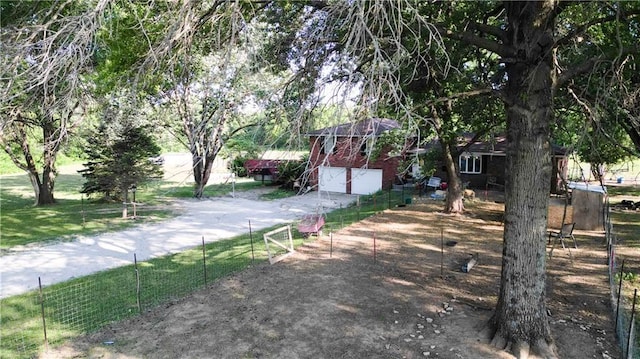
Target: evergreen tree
[[118, 154]]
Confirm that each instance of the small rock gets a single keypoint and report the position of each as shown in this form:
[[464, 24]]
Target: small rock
[[395, 311], [387, 346], [407, 340], [432, 347], [420, 326], [395, 322], [449, 309], [436, 331], [429, 320], [412, 335], [420, 336], [426, 353]]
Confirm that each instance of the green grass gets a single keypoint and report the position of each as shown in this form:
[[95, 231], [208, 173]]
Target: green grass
[[86, 304], [278, 194], [74, 214], [623, 190]]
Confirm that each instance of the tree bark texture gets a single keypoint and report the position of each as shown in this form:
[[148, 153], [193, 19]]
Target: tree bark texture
[[520, 321], [453, 202]]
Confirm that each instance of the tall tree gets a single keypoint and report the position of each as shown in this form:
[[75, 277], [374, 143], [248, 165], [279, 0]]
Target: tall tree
[[536, 48], [119, 151], [47, 49]]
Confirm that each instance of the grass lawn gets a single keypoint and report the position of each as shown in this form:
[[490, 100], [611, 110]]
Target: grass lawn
[[74, 214], [86, 304]]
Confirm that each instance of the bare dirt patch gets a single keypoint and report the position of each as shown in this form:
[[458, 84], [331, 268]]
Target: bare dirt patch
[[410, 301]]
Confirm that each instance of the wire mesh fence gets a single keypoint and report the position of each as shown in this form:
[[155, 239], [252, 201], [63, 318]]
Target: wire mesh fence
[[31, 322], [623, 298]]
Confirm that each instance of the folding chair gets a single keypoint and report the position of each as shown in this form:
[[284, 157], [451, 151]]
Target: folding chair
[[566, 232]]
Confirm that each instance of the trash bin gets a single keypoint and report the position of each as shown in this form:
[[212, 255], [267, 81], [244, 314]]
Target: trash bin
[[620, 179], [407, 200]]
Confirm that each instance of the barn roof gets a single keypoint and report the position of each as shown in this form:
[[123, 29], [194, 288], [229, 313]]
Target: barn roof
[[367, 127]]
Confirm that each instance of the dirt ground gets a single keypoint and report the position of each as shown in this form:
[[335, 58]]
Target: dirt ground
[[410, 300]]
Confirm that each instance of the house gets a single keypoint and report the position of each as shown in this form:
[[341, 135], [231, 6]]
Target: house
[[482, 163], [340, 157]]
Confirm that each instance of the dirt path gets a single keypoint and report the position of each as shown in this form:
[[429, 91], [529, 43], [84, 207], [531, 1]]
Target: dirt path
[[410, 301], [213, 219]]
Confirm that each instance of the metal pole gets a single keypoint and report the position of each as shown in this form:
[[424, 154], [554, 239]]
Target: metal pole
[[389, 197], [633, 314], [135, 265], [44, 323], [374, 247], [134, 203], [619, 294], [374, 204], [204, 262], [251, 239]]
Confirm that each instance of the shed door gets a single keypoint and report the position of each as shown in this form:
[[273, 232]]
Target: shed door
[[332, 179], [366, 181]]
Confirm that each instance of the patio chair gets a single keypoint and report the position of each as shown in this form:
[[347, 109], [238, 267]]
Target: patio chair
[[566, 232], [434, 182]]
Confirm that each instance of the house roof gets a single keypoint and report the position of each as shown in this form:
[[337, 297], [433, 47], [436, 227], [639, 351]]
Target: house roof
[[496, 146], [367, 127]]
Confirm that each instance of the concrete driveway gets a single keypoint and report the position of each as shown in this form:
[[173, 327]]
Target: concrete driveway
[[214, 219]]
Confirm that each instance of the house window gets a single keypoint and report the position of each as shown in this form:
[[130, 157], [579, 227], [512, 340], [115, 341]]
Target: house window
[[470, 163], [366, 147], [328, 144]]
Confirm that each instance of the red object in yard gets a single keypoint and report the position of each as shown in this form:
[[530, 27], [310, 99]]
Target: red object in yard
[[311, 224], [263, 167], [444, 186]]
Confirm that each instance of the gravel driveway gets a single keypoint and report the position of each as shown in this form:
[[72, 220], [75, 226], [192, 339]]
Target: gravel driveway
[[214, 218]]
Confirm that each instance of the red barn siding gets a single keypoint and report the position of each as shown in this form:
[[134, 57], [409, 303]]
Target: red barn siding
[[347, 154]]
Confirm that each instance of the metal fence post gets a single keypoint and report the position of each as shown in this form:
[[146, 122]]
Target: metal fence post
[[44, 322], [135, 266], [619, 293], [633, 314], [204, 262], [253, 258]]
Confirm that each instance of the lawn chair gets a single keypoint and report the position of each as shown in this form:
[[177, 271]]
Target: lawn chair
[[434, 182], [566, 232]]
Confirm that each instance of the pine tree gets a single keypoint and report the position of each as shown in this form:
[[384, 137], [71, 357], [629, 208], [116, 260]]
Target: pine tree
[[119, 157]]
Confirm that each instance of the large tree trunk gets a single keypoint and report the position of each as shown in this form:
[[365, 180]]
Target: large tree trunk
[[202, 166], [520, 321], [453, 202], [51, 147]]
